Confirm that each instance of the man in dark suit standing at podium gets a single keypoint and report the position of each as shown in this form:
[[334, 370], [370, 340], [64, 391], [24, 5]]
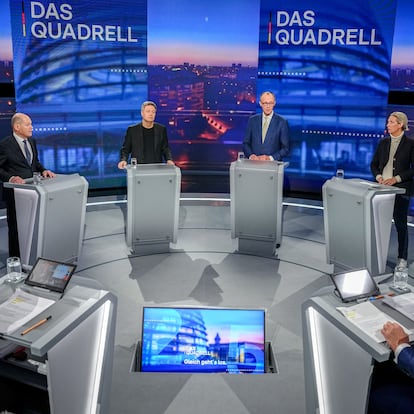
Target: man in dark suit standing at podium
[[267, 134], [146, 141], [18, 160]]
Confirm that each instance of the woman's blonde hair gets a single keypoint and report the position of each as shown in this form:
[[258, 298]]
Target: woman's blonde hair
[[402, 119]]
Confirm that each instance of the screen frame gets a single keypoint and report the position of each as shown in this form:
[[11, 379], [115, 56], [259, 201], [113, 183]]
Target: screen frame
[[336, 280], [194, 369], [30, 281]]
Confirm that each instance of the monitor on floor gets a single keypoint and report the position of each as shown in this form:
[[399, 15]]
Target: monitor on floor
[[206, 340]]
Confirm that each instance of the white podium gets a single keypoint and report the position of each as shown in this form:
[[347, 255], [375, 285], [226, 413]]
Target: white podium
[[74, 350], [339, 357], [153, 207], [51, 217], [256, 193], [357, 221]]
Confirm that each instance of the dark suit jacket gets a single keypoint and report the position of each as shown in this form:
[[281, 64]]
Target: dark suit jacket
[[13, 162], [403, 161], [276, 142], [134, 144], [406, 360]]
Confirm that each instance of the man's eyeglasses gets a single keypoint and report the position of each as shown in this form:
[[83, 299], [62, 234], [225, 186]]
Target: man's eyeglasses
[[267, 103]]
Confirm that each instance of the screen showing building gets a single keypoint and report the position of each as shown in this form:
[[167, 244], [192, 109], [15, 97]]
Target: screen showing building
[[205, 340]]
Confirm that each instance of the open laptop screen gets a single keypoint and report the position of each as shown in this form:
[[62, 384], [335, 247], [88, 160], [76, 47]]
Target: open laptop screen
[[50, 274], [205, 340]]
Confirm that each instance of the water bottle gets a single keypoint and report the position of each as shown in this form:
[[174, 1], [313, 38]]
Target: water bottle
[[400, 277]]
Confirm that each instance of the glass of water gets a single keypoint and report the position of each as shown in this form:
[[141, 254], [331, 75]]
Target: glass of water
[[340, 173], [37, 178], [133, 162], [14, 270]]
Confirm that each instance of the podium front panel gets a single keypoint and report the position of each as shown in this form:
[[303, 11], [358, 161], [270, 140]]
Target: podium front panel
[[345, 231], [153, 204], [54, 226], [63, 220], [256, 190], [357, 221]]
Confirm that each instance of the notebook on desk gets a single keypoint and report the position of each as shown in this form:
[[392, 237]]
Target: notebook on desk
[[49, 278]]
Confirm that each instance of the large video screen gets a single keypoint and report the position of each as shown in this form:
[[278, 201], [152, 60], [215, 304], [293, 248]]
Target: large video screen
[[203, 340], [402, 63], [82, 69]]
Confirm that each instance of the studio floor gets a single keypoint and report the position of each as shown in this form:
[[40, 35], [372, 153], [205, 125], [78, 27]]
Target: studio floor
[[204, 269]]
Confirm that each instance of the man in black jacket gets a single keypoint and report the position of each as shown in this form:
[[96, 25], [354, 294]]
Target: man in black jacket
[[18, 160], [393, 164], [146, 141]]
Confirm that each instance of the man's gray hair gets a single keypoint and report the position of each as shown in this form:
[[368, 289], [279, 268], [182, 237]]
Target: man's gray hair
[[148, 103]]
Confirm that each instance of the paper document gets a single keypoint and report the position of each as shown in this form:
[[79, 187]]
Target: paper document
[[20, 308], [369, 319], [402, 303]]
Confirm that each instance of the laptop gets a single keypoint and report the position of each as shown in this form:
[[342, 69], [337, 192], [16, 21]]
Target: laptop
[[354, 285], [49, 277]]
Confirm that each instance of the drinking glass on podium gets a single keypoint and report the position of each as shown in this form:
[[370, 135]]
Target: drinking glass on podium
[[340, 173], [37, 178], [14, 270]]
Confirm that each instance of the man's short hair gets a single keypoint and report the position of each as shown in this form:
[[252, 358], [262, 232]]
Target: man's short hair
[[267, 93], [148, 103]]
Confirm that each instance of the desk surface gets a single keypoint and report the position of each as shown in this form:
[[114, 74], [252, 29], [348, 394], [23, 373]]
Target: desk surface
[[327, 303], [82, 297]]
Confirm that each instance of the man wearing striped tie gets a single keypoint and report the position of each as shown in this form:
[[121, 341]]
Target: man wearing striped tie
[[18, 160], [267, 133]]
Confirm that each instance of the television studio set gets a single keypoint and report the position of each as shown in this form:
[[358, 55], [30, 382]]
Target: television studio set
[[206, 207]]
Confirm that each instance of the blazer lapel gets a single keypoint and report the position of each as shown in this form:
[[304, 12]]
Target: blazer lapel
[[140, 144], [18, 150]]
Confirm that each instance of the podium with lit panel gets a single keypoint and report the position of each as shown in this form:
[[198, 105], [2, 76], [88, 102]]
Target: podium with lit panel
[[256, 192], [357, 221], [51, 217], [71, 355], [153, 207], [338, 356]]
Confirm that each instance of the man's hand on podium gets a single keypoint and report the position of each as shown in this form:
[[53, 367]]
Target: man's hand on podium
[[48, 174], [394, 334], [16, 180], [260, 157], [122, 165]]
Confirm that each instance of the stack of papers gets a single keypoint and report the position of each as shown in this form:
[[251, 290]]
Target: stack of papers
[[16, 311], [402, 303], [367, 317], [20, 308]]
